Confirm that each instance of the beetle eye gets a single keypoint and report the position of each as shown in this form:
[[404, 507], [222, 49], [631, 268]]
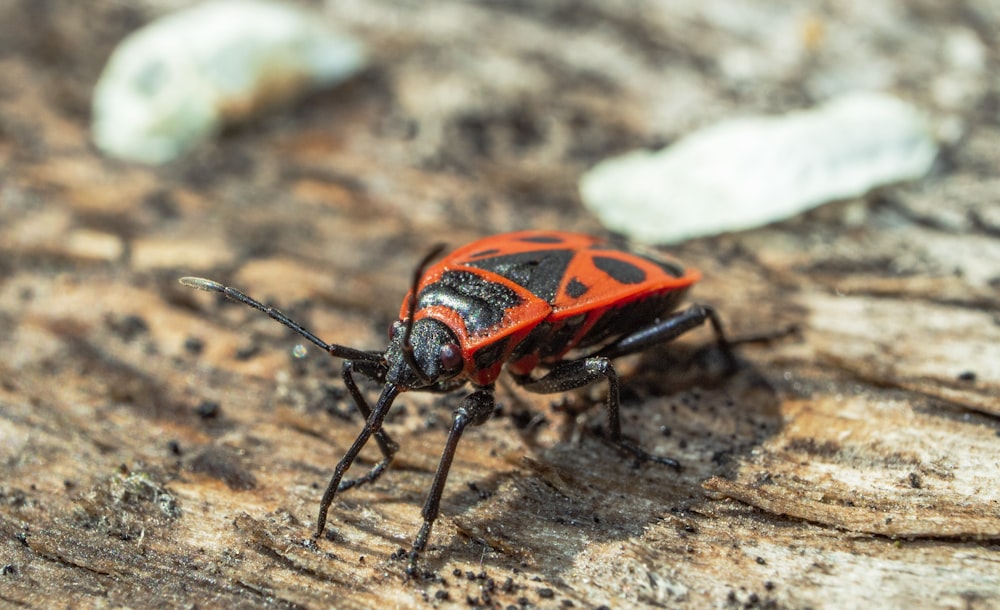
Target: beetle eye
[[451, 356]]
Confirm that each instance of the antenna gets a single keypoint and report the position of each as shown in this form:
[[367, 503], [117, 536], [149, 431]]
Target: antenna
[[339, 351], [412, 310]]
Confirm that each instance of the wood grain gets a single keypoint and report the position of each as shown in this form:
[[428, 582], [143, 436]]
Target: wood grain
[[163, 448]]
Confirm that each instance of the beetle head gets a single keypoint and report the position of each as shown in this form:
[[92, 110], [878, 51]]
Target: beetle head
[[435, 354]]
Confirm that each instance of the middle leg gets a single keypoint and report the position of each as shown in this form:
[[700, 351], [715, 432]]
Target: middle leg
[[573, 374]]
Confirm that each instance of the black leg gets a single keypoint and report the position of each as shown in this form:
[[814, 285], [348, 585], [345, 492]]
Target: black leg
[[668, 330], [474, 410], [573, 374], [388, 446], [372, 426]]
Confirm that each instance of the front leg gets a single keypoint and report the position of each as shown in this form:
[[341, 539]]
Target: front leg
[[373, 424], [388, 446], [572, 374], [474, 410]]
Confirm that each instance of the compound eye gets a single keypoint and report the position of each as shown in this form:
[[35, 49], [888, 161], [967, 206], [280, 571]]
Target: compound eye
[[451, 356], [393, 329]]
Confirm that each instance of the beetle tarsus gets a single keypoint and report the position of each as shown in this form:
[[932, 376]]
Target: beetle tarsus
[[645, 456]]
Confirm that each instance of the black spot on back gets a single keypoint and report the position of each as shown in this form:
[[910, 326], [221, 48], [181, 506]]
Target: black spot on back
[[540, 272], [480, 302], [576, 289], [622, 271], [671, 269], [542, 239]]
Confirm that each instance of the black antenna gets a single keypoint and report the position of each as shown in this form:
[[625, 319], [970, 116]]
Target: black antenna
[[339, 351], [412, 310]]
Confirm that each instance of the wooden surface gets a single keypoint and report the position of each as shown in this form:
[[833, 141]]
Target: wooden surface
[[163, 448]]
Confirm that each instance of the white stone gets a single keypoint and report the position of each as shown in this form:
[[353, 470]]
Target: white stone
[[745, 173], [179, 79]]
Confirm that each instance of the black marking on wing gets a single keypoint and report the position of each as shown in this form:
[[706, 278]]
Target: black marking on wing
[[540, 272], [542, 239], [576, 289], [623, 272], [480, 302], [670, 268]]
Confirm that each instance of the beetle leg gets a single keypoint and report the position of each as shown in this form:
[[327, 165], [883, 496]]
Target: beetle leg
[[572, 374], [388, 446], [373, 425], [668, 330], [475, 409]]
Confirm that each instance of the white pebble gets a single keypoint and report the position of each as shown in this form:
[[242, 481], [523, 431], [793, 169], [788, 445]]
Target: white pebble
[[748, 172], [178, 80]]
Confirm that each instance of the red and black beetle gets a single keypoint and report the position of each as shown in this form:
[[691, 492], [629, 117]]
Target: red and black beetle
[[525, 300]]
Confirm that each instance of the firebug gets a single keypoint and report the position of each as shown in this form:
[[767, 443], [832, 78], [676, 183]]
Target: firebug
[[554, 308]]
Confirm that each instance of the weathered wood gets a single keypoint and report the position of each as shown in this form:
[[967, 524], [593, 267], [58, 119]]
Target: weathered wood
[[161, 447]]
